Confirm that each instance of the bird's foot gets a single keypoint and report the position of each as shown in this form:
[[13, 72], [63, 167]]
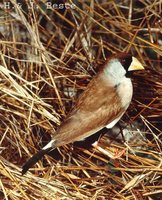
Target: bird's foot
[[115, 155]]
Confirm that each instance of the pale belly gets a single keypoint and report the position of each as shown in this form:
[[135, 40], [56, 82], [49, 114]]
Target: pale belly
[[125, 91]]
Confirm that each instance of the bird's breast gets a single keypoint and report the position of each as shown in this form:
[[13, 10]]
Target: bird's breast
[[125, 91]]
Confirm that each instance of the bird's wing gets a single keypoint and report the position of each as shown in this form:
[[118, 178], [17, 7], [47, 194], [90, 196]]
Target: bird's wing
[[98, 106]]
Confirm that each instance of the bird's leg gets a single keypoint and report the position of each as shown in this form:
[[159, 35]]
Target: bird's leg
[[121, 131]]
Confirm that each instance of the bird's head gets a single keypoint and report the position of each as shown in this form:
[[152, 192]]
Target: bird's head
[[121, 66]]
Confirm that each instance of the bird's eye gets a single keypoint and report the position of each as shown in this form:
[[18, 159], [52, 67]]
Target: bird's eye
[[123, 61], [126, 62]]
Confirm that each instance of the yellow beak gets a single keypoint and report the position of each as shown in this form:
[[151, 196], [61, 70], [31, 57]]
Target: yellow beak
[[135, 65]]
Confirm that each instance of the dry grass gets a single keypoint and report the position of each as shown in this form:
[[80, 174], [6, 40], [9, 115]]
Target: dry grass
[[47, 58]]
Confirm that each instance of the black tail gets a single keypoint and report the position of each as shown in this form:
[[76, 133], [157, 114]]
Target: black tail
[[34, 159]]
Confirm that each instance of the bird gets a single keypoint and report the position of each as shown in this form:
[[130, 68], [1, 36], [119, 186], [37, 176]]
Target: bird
[[102, 104]]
